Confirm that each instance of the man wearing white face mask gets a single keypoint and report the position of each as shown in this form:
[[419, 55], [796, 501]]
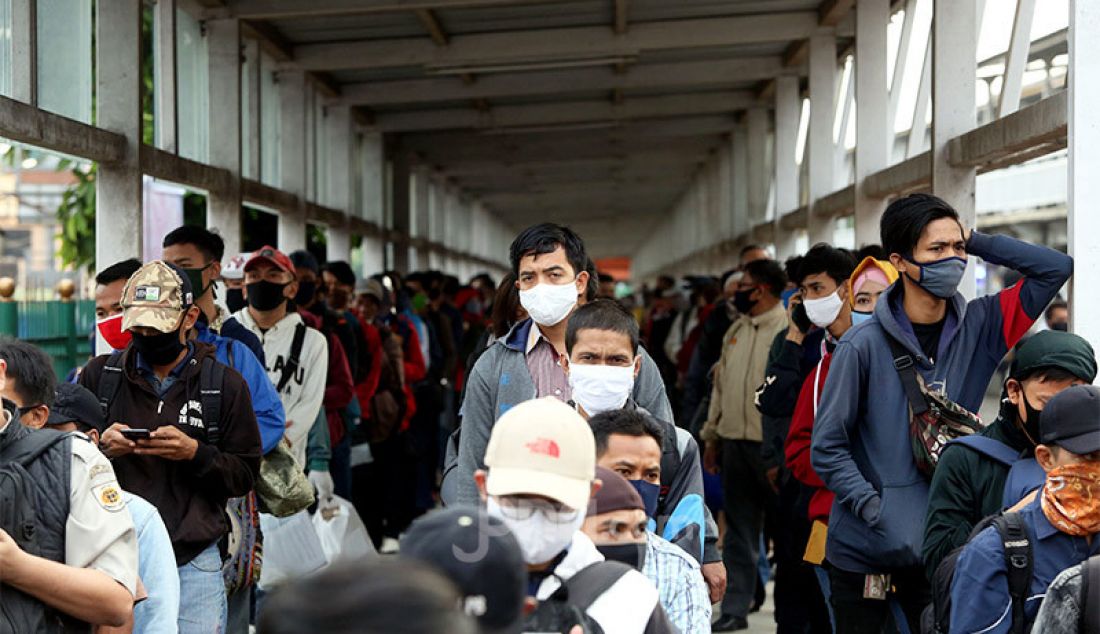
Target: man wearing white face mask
[[602, 346], [549, 262], [541, 474]]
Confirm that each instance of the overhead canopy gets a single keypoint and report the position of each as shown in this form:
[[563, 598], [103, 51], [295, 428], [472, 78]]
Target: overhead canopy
[[595, 113]]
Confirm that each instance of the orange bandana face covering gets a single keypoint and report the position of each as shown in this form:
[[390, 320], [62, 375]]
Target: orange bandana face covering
[[1071, 498]]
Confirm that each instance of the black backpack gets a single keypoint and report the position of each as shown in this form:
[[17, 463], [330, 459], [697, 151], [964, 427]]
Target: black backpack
[[19, 518], [567, 607], [212, 375], [1019, 563]]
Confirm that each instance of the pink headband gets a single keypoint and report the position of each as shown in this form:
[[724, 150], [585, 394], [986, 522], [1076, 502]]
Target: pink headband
[[871, 274]]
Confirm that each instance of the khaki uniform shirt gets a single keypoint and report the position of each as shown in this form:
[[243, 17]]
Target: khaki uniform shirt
[[740, 370], [99, 533]]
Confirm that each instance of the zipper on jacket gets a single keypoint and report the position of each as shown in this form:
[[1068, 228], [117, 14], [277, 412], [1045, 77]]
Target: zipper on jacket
[[160, 406]]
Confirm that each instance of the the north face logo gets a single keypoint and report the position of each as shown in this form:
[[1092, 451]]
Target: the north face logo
[[544, 446]]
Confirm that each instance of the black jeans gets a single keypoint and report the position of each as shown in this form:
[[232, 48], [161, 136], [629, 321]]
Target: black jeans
[[748, 497], [856, 615]]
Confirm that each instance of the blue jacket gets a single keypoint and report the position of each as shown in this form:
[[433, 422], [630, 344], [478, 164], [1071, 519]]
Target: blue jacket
[[265, 400], [979, 590], [234, 329], [861, 443]]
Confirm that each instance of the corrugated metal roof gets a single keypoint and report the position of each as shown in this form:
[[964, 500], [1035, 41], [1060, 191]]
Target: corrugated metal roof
[[347, 28]]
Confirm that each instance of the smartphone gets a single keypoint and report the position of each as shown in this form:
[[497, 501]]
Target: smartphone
[[801, 319], [135, 434]]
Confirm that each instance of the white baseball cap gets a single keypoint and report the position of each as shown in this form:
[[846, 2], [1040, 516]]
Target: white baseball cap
[[234, 268], [542, 447]]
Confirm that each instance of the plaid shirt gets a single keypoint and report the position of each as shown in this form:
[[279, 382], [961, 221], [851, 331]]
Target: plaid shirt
[[680, 584]]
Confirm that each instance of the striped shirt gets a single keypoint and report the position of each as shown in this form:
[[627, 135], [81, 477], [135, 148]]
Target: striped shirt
[[679, 583]]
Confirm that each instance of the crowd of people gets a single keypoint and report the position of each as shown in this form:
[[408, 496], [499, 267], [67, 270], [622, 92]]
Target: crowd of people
[[542, 455]]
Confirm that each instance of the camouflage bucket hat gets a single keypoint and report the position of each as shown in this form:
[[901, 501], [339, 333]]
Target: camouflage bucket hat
[[156, 296]]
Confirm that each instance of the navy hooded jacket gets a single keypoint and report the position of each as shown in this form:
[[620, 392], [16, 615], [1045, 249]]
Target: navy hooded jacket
[[861, 444]]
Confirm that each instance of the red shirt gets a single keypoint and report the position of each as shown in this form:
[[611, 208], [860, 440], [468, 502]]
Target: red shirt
[[797, 446]]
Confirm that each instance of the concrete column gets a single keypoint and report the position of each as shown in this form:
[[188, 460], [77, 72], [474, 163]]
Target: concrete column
[[251, 83], [872, 129], [118, 109], [401, 213], [1084, 161], [787, 110], [954, 50], [740, 177], [223, 44], [757, 122], [820, 138], [164, 53], [24, 59], [339, 244], [374, 177], [292, 137]]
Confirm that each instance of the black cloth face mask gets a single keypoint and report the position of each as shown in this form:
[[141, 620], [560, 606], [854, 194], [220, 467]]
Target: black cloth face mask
[[159, 349], [265, 295], [306, 292], [632, 555], [234, 299]]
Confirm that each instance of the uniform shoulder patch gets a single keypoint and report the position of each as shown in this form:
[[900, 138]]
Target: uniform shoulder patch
[[109, 496]]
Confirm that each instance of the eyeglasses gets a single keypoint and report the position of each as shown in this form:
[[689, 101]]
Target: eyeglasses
[[516, 508]]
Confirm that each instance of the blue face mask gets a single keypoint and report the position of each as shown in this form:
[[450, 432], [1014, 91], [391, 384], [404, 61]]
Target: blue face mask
[[858, 317], [940, 278], [650, 493]]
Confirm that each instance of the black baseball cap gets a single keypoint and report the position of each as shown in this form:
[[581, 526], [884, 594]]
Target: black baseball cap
[[1071, 420], [76, 404], [481, 557]]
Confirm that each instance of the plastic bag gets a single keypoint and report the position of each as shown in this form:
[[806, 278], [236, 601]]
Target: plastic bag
[[341, 532], [292, 548]]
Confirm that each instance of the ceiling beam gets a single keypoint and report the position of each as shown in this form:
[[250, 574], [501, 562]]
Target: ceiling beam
[[831, 12], [449, 154], [564, 113], [620, 16], [432, 26], [653, 158], [495, 86], [283, 9], [564, 45]]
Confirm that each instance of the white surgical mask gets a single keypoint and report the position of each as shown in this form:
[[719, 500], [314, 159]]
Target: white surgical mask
[[824, 311], [599, 388], [540, 538], [549, 304]]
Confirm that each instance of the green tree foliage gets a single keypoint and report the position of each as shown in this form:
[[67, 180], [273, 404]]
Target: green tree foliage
[[76, 214]]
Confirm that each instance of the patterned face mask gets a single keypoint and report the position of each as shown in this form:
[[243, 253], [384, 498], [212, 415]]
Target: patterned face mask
[[1071, 498]]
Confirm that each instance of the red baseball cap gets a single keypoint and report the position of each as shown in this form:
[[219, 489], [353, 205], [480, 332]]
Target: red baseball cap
[[273, 256]]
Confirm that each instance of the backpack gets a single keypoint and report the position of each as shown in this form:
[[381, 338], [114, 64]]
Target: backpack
[[936, 618], [1024, 474], [1090, 596], [934, 419], [211, 377], [19, 518], [567, 607]]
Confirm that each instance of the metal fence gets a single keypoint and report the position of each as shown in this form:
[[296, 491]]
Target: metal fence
[[61, 328]]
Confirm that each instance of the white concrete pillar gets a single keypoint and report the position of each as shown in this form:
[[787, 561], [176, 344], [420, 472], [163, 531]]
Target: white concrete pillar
[[820, 146], [756, 119], [341, 163], [292, 157], [788, 105], [740, 178], [223, 45], [251, 82], [401, 213], [1084, 162], [165, 113], [374, 177], [338, 246], [872, 129], [954, 51], [118, 109]]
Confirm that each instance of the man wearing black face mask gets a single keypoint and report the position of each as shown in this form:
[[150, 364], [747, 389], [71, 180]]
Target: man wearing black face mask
[[616, 523], [198, 252], [977, 480], [165, 441]]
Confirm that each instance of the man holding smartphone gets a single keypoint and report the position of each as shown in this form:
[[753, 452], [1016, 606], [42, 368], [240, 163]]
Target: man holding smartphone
[[182, 432]]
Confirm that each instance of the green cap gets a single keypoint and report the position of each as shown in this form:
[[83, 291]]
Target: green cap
[[1055, 349]]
